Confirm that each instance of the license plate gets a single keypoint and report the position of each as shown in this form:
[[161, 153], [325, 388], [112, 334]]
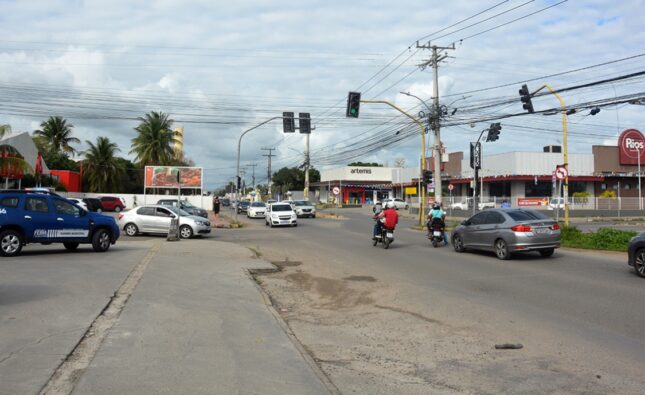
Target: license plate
[[285, 222], [542, 231], [437, 233], [389, 235]]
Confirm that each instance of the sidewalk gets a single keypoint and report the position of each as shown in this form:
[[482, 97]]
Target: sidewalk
[[221, 221], [197, 324]]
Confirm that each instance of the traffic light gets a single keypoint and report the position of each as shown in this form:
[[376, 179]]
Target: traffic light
[[239, 182], [594, 111], [288, 122], [427, 177], [353, 104], [525, 97], [493, 131], [304, 123]]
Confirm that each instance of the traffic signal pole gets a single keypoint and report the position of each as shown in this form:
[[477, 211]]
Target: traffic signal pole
[[423, 152]]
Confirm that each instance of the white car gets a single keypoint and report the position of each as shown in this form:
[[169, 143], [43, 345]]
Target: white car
[[256, 210], [398, 203], [304, 208], [467, 205], [463, 205], [155, 218], [79, 203], [280, 214]]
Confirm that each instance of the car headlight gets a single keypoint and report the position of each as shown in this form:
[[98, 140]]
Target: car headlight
[[274, 215], [200, 223]]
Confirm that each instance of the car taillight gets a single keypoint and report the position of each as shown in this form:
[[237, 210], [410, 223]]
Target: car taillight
[[555, 227], [521, 228], [120, 216]]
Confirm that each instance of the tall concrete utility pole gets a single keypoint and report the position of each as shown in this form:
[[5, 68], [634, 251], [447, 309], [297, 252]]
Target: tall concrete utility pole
[[253, 165], [269, 155], [306, 191], [435, 117]]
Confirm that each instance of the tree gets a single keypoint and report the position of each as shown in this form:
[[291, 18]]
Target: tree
[[103, 170], [287, 179], [54, 159], [5, 130], [56, 135], [365, 164], [12, 163], [153, 144]]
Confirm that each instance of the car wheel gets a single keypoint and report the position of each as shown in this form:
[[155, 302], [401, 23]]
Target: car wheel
[[101, 240], [313, 216], [501, 250], [71, 246], [547, 252], [458, 243], [434, 242], [131, 230], [296, 224], [117, 209], [10, 243], [186, 232], [639, 262]]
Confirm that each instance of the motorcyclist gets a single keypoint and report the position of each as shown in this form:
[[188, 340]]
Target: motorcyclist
[[378, 207], [437, 216], [387, 219]]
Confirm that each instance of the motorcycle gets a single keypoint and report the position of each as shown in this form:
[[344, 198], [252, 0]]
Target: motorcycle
[[386, 237], [436, 234]]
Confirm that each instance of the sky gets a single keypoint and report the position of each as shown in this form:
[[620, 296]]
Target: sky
[[220, 68]]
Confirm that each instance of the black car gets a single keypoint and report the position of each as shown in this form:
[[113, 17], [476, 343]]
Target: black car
[[93, 204], [636, 254], [243, 206], [225, 202], [186, 206]]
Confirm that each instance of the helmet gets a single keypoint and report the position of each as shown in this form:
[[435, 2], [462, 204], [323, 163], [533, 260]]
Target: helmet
[[436, 206], [389, 205]]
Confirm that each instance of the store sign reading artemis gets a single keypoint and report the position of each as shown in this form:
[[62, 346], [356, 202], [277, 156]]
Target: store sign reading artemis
[[361, 171], [631, 145]]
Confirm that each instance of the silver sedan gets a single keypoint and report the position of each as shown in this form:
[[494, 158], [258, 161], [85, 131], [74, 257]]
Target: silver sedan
[[506, 231], [156, 219]]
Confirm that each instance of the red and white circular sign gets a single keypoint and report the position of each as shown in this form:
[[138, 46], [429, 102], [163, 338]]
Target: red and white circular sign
[[631, 145], [336, 190], [451, 187], [561, 172]]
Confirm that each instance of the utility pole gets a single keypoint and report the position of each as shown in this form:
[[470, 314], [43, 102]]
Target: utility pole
[[269, 155], [435, 117], [306, 190], [253, 165]]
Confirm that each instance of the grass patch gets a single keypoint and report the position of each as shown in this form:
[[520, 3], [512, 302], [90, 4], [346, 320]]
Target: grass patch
[[604, 239]]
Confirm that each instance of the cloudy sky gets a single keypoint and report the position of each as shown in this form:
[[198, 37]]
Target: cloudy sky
[[219, 68]]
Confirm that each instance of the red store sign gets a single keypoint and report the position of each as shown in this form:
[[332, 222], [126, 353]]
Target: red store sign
[[532, 202], [631, 145]]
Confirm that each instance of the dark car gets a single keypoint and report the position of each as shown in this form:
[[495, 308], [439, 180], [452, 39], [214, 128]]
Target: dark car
[[636, 254], [111, 203], [243, 206], [93, 204], [45, 217], [186, 206], [506, 231], [225, 201]]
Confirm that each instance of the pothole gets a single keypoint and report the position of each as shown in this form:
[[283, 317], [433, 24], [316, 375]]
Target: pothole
[[368, 279], [286, 263]]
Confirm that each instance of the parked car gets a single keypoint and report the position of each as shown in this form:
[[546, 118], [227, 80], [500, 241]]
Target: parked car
[[155, 218], [399, 204], [242, 206], [225, 202], [45, 217], [506, 231], [270, 201], [111, 203], [636, 254], [463, 205], [79, 202], [280, 214], [93, 204], [468, 205], [304, 208], [256, 210], [557, 203], [186, 206]]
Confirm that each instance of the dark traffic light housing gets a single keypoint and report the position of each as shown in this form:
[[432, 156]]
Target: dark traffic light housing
[[353, 104], [427, 176], [288, 122], [493, 131], [305, 123], [525, 97]]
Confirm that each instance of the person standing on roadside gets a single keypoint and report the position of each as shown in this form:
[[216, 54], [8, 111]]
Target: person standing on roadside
[[216, 206]]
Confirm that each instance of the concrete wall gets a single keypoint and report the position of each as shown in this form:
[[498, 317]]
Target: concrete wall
[[131, 200], [530, 163]]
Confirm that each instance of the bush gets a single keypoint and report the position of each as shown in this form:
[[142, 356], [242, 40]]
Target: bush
[[603, 239]]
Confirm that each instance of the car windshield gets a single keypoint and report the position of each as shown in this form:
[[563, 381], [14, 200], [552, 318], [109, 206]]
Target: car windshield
[[257, 204], [281, 207], [526, 215], [177, 211], [302, 203], [245, 203], [187, 204]]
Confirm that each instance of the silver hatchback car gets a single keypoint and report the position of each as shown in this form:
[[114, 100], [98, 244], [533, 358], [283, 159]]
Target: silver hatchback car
[[506, 231], [156, 218]]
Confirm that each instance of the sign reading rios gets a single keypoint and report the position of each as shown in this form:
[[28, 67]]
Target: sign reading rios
[[631, 145]]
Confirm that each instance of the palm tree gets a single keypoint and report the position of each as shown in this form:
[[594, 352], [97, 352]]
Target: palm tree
[[12, 164], [57, 135], [4, 130], [102, 168], [154, 143]]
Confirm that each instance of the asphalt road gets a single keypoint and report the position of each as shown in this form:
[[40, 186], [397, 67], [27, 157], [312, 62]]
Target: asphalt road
[[583, 304]]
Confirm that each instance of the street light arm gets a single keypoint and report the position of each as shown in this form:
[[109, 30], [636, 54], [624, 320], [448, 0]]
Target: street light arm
[[396, 108]]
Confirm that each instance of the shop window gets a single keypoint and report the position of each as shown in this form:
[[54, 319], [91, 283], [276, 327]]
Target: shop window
[[627, 186], [603, 186]]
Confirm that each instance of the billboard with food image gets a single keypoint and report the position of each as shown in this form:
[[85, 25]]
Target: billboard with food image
[[166, 177]]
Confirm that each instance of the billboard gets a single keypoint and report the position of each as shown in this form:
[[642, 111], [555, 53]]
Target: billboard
[[166, 177], [631, 146]]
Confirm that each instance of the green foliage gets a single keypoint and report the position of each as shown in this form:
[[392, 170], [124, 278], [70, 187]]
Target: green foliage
[[103, 170], [293, 179], [608, 194], [153, 145], [603, 239], [365, 164], [55, 135], [581, 197]]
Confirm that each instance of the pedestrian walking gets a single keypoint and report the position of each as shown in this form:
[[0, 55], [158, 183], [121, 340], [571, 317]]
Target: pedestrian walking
[[216, 206]]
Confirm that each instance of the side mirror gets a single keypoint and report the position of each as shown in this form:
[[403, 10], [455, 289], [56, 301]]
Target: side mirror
[[465, 223]]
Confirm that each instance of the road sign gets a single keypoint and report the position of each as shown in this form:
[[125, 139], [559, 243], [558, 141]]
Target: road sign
[[451, 187], [475, 155], [561, 172], [336, 190]]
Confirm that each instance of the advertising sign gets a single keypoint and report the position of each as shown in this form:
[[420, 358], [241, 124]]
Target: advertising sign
[[532, 202], [631, 145], [410, 190], [475, 155], [166, 177]]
